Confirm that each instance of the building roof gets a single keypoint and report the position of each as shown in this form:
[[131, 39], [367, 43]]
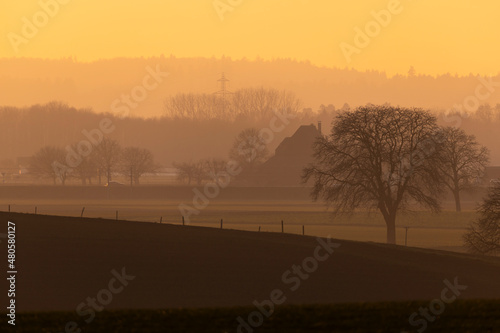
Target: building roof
[[291, 156]]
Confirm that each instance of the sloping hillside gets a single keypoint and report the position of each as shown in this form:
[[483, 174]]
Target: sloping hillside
[[62, 261]]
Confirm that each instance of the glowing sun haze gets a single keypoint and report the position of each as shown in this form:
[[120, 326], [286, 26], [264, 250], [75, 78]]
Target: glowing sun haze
[[434, 36]]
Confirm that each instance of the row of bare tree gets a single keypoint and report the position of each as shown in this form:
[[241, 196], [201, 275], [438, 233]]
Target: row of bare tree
[[249, 150], [199, 171], [251, 104], [104, 160]]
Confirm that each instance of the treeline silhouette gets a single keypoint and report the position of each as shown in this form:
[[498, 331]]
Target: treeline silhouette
[[245, 104], [24, 130], [86, 160], [97, 84]]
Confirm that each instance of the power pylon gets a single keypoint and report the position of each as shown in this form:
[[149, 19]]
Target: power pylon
[[223, 81], [223, 91]]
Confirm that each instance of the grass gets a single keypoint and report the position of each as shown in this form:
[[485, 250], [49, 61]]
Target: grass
[[429, 230], [237, 212], [460, 316]]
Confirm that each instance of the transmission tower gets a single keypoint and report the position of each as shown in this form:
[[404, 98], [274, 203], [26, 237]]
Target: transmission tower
[[223, 91]]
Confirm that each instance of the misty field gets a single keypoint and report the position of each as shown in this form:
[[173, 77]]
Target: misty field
[[429, 230]]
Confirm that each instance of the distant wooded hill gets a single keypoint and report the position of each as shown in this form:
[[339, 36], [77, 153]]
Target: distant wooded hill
[[99, 84]]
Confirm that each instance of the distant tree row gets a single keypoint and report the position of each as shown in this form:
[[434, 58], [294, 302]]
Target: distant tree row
[[251, 104], [249, 150], [105, 159], [199, 171], [24, 130]]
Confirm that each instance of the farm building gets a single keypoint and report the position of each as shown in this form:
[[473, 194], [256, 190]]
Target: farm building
[[291, 156]]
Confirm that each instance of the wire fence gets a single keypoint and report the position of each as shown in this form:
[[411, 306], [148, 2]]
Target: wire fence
[[425, 237]]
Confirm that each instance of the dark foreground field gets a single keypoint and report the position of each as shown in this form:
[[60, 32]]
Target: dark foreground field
[[64, 262], [459, 317]]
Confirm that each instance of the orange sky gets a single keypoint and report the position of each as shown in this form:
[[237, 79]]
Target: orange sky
[[434, 36]]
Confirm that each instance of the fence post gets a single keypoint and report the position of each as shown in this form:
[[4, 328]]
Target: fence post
[[221, 223], [182, 219], [406, 236], [259, 228], [303, 232], [282, 226], [117, 215], [81, 215], [161, 219]]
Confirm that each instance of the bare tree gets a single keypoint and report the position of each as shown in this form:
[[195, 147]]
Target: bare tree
[[136, 162], [185, 171], [214, 169], [484, 113], [107, 156], [463, 161], [378, 157], [249, 149], [200, 173], [483, 235], [85, 169], [49, 162], [192, 171]]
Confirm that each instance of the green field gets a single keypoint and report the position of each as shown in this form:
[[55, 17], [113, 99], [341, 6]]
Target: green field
[[460, 316]]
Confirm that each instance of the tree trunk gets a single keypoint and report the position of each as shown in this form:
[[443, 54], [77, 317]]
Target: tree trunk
[[458, 204], [391, 229]]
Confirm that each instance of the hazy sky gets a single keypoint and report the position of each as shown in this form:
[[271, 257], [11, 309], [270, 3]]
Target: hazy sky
[[435, 36]]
